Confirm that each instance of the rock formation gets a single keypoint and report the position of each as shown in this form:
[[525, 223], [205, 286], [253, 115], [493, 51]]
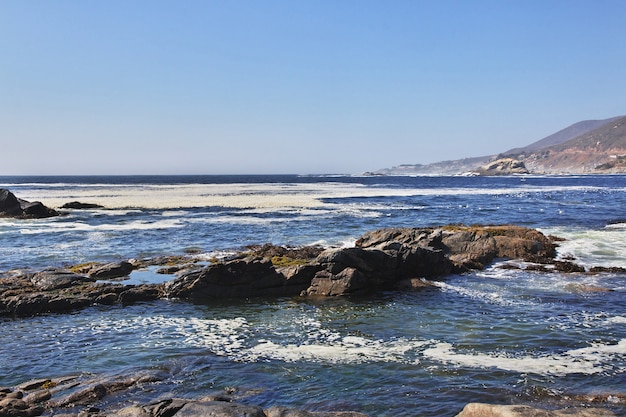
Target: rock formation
[[11, 206], [492, 410], [503, 166]]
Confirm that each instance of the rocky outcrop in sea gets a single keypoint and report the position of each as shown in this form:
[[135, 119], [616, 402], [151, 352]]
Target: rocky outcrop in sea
[[381, 260], [11, 206]]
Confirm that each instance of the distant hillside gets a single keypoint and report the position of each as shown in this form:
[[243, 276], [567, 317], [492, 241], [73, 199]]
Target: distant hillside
[[590, 146], [602, 150], [571, 132]]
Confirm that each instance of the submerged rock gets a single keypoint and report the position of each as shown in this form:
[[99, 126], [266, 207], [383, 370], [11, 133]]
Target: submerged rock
[[77, 205]]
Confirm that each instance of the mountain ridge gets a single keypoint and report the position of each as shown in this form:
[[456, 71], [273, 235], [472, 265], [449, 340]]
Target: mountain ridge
[[585, 147]]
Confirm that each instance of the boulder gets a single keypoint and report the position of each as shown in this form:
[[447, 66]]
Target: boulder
[[491, 410], [144, 292], [467, 247], [248, 277], [111, 270], [503, 166], [11, 206]]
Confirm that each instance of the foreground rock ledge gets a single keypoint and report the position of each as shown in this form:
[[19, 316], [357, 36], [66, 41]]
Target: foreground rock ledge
[[112, 396], [491, 410]]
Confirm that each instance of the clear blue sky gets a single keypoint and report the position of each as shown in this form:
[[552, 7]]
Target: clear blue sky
[[296, 86]]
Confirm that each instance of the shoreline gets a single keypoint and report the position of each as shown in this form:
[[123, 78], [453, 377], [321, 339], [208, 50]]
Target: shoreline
[[266, 270]]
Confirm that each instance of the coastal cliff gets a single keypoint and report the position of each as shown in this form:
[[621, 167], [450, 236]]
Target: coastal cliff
[[587, 147]]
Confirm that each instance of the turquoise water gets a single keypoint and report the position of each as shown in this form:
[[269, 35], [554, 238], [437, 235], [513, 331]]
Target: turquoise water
[[498, 336]]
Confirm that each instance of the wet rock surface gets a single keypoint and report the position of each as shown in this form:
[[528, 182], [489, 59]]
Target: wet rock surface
[[117, 396], [381, 260], [11, 206]]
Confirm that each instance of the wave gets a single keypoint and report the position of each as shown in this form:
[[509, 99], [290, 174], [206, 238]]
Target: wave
[[592, 247]]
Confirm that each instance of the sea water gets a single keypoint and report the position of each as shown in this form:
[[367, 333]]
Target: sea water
[[498, 335]]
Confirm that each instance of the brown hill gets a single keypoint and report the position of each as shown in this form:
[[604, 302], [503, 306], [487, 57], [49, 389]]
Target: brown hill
[[587, 147], [563, 135], [602, 150]]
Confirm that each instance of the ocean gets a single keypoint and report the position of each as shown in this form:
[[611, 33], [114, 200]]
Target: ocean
[[501, 336]]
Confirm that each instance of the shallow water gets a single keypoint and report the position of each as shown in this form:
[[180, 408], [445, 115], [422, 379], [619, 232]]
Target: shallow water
[[500, 336]]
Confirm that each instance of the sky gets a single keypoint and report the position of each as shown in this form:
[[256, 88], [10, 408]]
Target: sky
[[296, 86]]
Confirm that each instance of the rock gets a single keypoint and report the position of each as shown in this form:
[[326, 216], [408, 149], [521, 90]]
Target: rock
[[219, 409], [32, 304], [491, 410], [81, 206], [111, 270], [54, 279], [34, 384], [11, 206], [101, 388], [290, 412], [504, 166], [379, 261], [107, 299], [144, 292], [12, 405], [249, 277], [473, 247]]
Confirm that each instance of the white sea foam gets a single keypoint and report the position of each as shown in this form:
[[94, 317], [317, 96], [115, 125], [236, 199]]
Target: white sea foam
[[588, 360], [243, 195], [236, 339], [52, 227], [604, 247], [349, 349]]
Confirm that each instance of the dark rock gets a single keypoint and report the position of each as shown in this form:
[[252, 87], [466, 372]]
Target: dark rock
[[32, 304], [53, 279], [11, 206], [474, 247], [347, 281], [249, 277], [80, 206], [568, 267], [107, 299], [145, 292], [111, 270]]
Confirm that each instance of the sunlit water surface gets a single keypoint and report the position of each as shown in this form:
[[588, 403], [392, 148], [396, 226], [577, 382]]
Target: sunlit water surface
[[498, 336]]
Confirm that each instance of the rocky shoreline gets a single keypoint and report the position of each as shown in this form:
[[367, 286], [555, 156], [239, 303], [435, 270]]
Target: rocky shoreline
[[399, 259], [98, 396], [381, 260]]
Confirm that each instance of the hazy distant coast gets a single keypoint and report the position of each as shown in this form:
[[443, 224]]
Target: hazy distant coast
[[586, 147]]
